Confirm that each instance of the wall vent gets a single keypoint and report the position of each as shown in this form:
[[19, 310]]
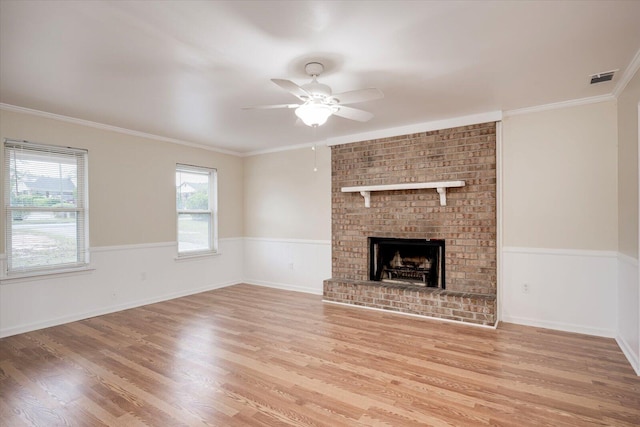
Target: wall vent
[[602, 77]]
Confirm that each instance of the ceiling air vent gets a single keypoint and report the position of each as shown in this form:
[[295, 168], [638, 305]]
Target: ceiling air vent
[[602, 77]]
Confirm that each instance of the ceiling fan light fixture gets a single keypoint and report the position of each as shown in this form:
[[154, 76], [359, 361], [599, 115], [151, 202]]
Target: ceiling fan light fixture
[[314, 113], [318, 103]]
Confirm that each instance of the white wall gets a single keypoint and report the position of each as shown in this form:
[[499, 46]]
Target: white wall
[[132, 227], [559, 195], [132, 179], [560, 232], [628, 316], [628, 336], [560, 178], [288, 219], [291, 264], [568, 290], [285, 198], [123, 277], [560, 219]]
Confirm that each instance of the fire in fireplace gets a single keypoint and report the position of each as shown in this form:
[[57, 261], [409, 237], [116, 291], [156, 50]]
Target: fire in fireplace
[[408, 261]]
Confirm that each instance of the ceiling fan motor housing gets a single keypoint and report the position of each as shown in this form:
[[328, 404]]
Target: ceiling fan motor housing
[[317, 90]]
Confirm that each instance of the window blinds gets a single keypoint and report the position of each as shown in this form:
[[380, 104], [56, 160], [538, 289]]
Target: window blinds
[[45, 191]]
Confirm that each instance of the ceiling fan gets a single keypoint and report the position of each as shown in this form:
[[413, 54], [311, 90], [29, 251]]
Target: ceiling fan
[[318, 103]]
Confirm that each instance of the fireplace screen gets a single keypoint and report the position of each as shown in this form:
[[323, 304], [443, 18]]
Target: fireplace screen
[[410, 261]]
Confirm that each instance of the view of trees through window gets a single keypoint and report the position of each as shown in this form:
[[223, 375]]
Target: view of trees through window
[[194, 209]]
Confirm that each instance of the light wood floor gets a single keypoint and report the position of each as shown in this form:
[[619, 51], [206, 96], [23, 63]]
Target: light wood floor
[[252, 356]]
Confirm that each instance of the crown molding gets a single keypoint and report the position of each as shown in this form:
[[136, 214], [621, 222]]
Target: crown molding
[[101, 126], [629, 72], [492, 116], [622, 83], [306, 145], [557, 105]]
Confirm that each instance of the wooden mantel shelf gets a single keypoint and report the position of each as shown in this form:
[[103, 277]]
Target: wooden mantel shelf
[[440, 186]]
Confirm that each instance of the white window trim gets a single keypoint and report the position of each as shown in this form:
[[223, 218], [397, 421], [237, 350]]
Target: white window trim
[[45, 274], [189, 256], [7, 276], [213, 211]]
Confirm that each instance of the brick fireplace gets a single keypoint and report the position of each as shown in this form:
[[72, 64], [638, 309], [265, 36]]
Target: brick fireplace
[[466, 224]]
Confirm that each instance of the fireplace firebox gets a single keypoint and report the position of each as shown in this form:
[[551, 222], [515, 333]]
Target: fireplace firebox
[[417, 262]]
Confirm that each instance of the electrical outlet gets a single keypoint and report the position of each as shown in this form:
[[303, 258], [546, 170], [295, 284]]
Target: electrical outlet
[[525, 288], [143, 276], [290, 266]]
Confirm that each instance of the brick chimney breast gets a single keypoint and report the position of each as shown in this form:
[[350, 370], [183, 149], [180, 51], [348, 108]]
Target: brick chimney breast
[[467, 223]]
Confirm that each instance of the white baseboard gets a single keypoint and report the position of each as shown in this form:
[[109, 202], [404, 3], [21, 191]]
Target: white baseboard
[[560, 326], [283, 286], [629, 354], [628, 310], [106, 310]]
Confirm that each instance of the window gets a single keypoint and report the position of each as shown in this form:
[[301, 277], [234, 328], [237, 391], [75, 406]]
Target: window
[[196, 204], [45, 195]]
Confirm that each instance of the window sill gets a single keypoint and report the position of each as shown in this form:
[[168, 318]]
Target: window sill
[[196, 255], [48, 274]]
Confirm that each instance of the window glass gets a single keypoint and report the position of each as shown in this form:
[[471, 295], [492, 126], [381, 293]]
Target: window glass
[[196, 209]]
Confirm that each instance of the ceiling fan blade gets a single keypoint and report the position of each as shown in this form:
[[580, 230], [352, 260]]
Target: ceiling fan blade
[[360, 95], [270, 107], [353, 114], [293, 88]]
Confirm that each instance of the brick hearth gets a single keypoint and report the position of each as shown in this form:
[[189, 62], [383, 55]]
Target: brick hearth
[[467, 222]]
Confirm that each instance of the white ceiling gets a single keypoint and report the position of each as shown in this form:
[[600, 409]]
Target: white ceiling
[[183, 69]]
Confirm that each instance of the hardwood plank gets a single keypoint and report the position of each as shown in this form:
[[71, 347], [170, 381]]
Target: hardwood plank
[[252, 356]]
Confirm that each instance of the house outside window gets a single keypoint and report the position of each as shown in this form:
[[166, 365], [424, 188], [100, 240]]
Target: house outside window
[[46, 209], [196, 207]]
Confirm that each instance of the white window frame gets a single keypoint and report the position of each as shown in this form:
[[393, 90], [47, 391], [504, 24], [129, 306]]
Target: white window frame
[[81, 210], [212, 211]]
